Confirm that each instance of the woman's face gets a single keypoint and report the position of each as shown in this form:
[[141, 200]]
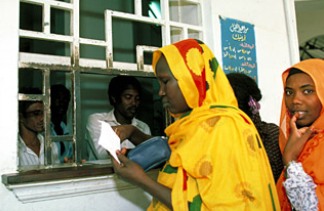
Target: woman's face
[[301, 99], [169, 91]]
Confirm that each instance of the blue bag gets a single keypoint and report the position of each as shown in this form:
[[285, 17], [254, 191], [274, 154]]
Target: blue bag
[[151, 153]]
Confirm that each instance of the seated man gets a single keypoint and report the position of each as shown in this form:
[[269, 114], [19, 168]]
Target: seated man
[[60, 99], [31, 126], [124, 94]]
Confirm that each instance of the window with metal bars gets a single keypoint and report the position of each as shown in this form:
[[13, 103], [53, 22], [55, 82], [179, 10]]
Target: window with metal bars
[[83, 44]]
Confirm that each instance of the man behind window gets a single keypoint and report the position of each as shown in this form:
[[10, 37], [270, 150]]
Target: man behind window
[[124, 94], [60, 99], [31, 126]]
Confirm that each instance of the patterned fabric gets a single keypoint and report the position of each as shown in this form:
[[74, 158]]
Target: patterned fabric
[[217, 160], [301, 188], [311, 157]]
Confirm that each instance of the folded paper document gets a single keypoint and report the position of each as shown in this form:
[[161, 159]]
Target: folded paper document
[[109, 139]]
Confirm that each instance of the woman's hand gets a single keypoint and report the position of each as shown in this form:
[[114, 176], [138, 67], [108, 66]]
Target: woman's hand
[[128, 170], [296, 141], [134, 174]]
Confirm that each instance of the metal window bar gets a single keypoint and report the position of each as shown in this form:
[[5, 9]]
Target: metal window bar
[[140, 49], [77, 65]]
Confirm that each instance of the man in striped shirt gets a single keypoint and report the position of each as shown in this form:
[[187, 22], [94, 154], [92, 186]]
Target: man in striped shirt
[[31, 126]]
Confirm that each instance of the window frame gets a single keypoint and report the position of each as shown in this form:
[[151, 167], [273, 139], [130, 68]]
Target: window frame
[[50, 175]]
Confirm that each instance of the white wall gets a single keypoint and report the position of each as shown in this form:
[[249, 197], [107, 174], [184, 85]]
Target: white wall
[[8, 94], [273, 57], [272, 46]]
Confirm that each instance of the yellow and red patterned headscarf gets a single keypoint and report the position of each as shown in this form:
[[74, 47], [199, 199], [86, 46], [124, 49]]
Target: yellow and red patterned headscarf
[[217, 159], [201, 78], [311, 157]]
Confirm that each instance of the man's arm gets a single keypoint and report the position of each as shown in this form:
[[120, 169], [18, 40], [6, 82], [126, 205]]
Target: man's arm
[[135, 135]]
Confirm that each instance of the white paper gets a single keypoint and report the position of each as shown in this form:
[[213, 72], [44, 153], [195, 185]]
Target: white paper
[[109, 139]]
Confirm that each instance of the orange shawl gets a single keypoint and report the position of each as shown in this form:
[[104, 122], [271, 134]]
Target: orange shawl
[[311, 157]]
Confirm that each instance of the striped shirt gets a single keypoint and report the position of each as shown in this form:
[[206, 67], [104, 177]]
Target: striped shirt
[[29, 158]]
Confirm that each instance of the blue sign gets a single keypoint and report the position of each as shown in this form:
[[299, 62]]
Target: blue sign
[[238, 47]]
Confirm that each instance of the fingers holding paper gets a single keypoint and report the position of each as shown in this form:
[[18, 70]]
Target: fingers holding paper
[[109, 140], [127, 169]]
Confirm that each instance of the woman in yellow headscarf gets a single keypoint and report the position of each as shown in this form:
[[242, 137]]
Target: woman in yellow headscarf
[[301, 184], [217, 159]]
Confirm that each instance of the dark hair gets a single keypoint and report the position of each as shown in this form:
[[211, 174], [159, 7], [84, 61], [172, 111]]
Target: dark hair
[[23, 104], [293, 71], [119, 84], [56, 89], [244, 87]]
